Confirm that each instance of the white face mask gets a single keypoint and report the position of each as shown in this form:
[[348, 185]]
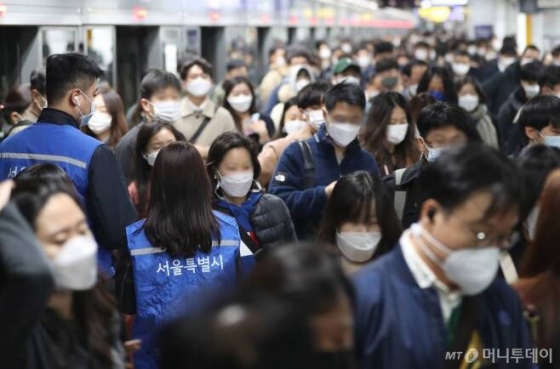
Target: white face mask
[[473, 270], [293, 126], [75, 267], [413, 89], [433, 153], [280, 61], [421, 54], [396, 133], [346, 48], [350, 80], [100, 122], [315, 119], [461, 69], [505, 62], [531, 91], [167, 111], [84, 118], [300, 84], [358, 247], [325, 54], [364, 61], [343, 133], [552, 141], [199, 87], [468, 102], [151, 157], [238, 184], [240, 103], [525, 61]]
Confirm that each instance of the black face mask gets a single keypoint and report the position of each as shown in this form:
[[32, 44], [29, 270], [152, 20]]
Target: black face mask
[[390, 82], [342, 359]]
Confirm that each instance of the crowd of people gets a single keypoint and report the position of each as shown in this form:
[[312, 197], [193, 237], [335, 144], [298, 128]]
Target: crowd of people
[[390, 203]]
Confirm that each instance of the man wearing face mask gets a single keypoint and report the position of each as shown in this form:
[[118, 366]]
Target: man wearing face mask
[[436, 292], [201, 120], [56, 138], [347, 71], [307, 171], [38, 86], [412, 74], [530, 75], [440, 126], [461, 65]]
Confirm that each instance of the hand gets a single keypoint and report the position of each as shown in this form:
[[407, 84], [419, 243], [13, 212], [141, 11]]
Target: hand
[[132, 346], [259, 127], [329, 189], [6, 188]]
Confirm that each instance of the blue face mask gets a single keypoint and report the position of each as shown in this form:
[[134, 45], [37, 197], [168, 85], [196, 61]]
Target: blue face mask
[[439, 96], [84, 120], [552, 141], [433, 153]]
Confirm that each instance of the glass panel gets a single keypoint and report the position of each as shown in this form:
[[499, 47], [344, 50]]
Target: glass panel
[[56, 41], [171, 42], [100, 47]]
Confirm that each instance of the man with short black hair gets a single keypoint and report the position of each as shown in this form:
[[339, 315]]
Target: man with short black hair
[[540, 121], [56, 138], [435, 301], [308, 170], [38, 87], [440, 126], [412, 74]]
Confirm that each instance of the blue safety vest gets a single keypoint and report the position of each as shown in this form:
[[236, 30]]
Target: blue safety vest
[[167, 286], [60, 144]]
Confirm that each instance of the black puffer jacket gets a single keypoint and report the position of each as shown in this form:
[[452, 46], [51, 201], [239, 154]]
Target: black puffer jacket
[[272, 222]]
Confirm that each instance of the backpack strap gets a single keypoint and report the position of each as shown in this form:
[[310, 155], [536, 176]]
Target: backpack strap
[[309, 164], [400, 195], [202, 126], [243, 234]]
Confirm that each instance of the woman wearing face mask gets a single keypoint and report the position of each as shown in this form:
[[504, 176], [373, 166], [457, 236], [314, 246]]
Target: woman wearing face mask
[[390, 133], [263, 219], [74, 322], [292, 120], [473, 100], [240, 101], [360, 221], [13, 108], [159, 100], [437, 81], [152, 137], [300, 76], [539, 285], [307, 277], [182, 253], [108, 123]]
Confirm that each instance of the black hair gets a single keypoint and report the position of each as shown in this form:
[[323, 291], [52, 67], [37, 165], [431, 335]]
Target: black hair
[[180, 218], [305, 275], [201, 62], [461, 53], [468, 80], [345, 92], [422, 44], [296, 51], [312, 95], [274, 49], [48, 172], [407, 69], [352, 200], [550, 77], [386, 64], [374, 133], [222, 145], [154, 80], [447, 80], [556, 51], [143, 170], [462, 172], [17, 101], [93, 309], [441, 115], [536, 162], [228, 86], [539, 112], [384, 47], [235, 64], [508, 50], [38, 80], [287, 105], [531, 72], [531, 47], [69, 71]]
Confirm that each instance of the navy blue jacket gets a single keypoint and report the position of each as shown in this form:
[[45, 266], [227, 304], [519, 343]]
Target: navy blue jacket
[[400, 325], [307, 204]]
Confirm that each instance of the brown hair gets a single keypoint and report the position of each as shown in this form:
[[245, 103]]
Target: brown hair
[[115, 108]]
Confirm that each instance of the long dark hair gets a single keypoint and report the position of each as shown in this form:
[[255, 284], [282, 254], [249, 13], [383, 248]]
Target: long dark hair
[[287, 105], [447, 80], [115, 108], [94, 309], [222, 145], [228, 86], [352, 200], [374, 136], [143, 169], [468, 80], [180, 218]]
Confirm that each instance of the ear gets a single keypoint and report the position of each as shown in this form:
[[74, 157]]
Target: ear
[[146, 106], [303, 114], [421, 145], [15, 118], [531, 134], [429, 213], [74, 99]]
